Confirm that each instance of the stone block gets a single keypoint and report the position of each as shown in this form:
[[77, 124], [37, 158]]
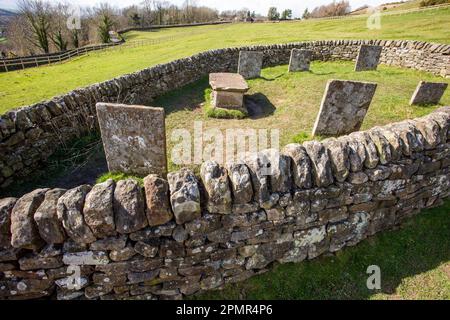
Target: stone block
[[184, 195], [228, 90], [157, 197]]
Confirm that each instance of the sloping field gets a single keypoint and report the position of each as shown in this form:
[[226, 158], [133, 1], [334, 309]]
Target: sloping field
[[33, 85]]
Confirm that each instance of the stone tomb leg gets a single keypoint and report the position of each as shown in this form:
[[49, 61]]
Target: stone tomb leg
[[228, 90], [344, 106], [300, 60], [428, 93], [134, 138], [368, 57], [250, 64]]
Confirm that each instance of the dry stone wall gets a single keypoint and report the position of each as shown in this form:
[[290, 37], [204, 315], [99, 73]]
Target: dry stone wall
[[29, 135], [179, 236]]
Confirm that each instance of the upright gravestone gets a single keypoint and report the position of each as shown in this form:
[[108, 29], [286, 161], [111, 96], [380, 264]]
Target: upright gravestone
[[428, 93], [134, 138], [250, 64], [344, 106], [368, 57], [300, 60]]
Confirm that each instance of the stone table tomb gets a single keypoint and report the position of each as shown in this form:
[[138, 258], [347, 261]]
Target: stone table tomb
[[228, 90]]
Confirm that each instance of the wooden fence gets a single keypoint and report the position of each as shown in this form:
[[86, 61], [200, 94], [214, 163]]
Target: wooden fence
[[40, 60]]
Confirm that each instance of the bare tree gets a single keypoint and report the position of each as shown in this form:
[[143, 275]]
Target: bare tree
[[333, 9], [59, 33], [37, 15], [105, 16]]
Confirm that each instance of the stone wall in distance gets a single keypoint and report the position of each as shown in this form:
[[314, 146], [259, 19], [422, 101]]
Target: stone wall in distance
[[29, 135]]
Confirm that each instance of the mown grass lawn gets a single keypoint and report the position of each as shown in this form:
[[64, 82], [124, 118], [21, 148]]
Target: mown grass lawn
[[20, 88], [414, 263]]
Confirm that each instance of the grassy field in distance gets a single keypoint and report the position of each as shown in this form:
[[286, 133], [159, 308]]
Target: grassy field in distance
[[20, 88]]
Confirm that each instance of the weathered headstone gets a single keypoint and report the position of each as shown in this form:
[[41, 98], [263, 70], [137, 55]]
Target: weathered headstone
[[428, 93], [228, 90], [134, 138], [368, 57], [344, 106], [250, 64], [300, 60]]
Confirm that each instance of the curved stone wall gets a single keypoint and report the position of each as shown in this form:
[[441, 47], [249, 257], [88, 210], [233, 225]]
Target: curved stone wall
[[178, 237], [29, 135]]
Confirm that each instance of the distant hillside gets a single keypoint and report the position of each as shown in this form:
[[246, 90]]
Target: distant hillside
[[6, 13], [5, 16], [390, 6]]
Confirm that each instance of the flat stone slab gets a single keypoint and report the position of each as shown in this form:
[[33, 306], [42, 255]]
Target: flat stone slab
[[368, 57], [300, 60], [428, 93], [344, 106], [232, 82], [134, 138], [250, 64]]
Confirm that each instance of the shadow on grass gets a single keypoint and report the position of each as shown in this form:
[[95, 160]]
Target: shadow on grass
[[420, 245], [258, 106], [274, 78], [81, 162], [188, 97]]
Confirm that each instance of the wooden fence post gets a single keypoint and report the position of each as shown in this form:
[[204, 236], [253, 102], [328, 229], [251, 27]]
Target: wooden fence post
[[6, 67]]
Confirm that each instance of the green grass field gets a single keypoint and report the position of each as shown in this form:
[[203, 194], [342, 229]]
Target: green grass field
[[414, 263], [20, 88], [290, 101]]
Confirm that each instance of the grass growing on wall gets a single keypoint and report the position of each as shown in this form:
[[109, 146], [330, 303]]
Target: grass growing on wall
[[414, 263], [117, 176], [19, 88]]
